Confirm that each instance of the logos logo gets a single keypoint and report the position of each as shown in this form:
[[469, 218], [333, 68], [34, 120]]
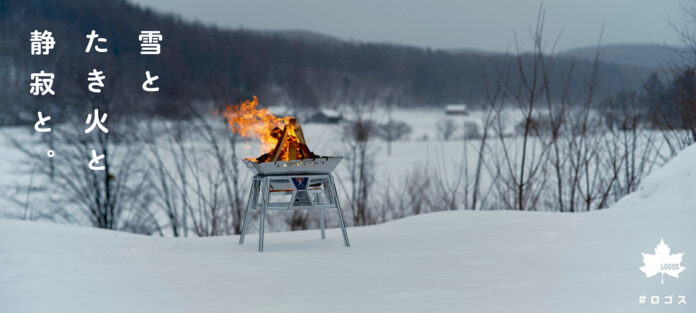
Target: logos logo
[[301, 197], [300, 182], [662, 262]]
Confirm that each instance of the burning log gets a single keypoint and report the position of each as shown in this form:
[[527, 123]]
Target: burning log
[[294, 169], [282, 144], [291, 145]]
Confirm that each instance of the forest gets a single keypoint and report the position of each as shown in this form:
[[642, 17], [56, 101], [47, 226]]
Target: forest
[[205, 64]]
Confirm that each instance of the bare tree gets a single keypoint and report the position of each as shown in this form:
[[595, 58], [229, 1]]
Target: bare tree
[[522, 172], [196, 175], [446, 128], [359, 134], [106, 198], [392, 131]]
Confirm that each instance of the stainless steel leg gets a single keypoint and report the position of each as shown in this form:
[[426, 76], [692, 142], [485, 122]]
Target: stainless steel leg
[[253, 197], [340, 212], [265, 193], [321, 223]]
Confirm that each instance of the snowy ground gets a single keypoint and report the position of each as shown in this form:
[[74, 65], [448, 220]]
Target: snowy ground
[[460, 261], [406, 154]]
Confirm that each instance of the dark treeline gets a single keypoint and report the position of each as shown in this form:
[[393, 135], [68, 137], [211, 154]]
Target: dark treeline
[[201, 63]]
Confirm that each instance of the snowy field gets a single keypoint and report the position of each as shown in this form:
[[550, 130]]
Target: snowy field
[[423, 154], [421, 147], [463, 261]]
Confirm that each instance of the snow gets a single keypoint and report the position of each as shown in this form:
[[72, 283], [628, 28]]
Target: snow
[[489, 261], [330, 113], [456, 109], [421, 149]]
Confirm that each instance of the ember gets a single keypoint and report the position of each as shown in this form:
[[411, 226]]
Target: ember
[[282, 144]]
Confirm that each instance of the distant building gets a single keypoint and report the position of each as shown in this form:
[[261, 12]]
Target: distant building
[[280, 111], [326, 116], [456, 109]]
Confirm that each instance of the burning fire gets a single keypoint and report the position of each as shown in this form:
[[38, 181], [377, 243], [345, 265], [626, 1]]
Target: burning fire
[[248, 121], [281, 137]]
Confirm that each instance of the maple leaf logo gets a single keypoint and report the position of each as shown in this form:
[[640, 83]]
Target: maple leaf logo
[[662, 262]]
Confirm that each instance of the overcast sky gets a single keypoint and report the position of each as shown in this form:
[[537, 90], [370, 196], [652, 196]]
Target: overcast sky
[[475, 24]]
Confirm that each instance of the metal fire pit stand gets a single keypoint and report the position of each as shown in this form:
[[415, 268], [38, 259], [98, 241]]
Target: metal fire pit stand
[[305, 191]]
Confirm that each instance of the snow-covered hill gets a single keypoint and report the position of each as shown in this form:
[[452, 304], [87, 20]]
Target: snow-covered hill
[[459, 261]]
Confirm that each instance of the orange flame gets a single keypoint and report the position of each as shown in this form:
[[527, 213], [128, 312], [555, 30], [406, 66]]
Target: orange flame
[[252, 122]]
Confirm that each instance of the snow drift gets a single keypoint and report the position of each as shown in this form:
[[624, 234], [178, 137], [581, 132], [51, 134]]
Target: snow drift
[[459, 261]]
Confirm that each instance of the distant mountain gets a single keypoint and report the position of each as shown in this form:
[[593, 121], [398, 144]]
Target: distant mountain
[[644, 55], [206, 64]]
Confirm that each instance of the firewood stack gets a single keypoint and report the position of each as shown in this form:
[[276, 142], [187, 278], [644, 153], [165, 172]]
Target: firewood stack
[[291, 144]]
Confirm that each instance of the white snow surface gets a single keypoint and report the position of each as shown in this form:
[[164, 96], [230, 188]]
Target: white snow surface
[[460, 261]]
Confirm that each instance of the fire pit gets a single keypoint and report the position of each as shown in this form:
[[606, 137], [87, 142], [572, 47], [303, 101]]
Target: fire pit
[[288, 176]]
